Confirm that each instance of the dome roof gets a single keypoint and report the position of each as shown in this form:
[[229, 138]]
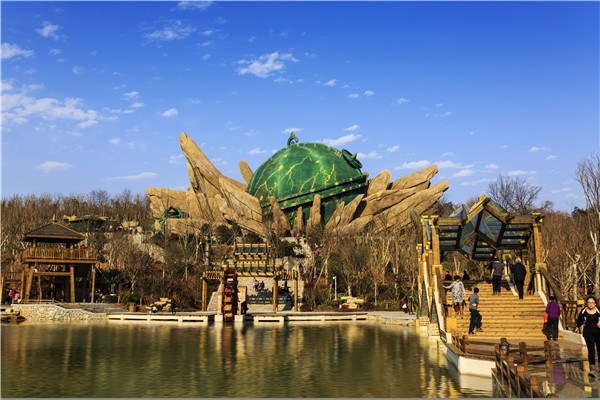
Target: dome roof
[[296, 173]]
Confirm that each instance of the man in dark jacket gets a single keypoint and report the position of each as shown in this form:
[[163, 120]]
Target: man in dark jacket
[[519, 273], [497, 272]]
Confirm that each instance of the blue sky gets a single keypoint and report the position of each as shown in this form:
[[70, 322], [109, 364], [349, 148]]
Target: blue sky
[[95, 94]]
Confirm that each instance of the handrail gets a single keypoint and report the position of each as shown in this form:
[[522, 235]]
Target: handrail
[[570, 308], [57, 253]]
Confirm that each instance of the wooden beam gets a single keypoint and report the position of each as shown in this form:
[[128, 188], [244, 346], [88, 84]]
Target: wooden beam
[[295, 291], [72, 280], [275, 290], [93, 284], [204, 294], [29, 282]]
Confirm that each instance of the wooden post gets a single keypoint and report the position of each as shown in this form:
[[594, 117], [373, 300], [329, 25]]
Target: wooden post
[[29, 282], [534, 383], [92, 299], [275, 292], [39, 285], [523, 353], [295, 291], [435, 247], [72, 284], [22, 287], [548, 353], [204, 293], [521, 370]]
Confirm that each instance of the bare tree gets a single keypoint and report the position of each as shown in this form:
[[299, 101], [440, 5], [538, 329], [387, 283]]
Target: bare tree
[[588, 176], [514, 194]]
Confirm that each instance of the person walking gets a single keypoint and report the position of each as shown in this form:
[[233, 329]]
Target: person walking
[[475, 322], [173, 305], [553, 311], [497, 272], [458, 293], [519, 272], [589, 318]]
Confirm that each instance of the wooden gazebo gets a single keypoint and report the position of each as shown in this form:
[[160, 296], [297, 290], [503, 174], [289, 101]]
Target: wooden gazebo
[[56, 260]]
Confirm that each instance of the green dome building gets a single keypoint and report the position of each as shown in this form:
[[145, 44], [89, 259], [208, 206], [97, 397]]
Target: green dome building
[[298, 172]]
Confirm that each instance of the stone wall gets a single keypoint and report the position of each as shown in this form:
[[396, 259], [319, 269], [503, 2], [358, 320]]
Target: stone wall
[[51, 312]]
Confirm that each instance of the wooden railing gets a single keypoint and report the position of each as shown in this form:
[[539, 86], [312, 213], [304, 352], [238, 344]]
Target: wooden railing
[[570, 308], [57, 253]]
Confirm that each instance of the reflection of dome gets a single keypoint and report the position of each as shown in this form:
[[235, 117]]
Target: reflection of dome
[[296, 173]]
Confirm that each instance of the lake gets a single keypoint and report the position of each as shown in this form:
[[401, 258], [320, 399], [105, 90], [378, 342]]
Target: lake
[[124, 359]]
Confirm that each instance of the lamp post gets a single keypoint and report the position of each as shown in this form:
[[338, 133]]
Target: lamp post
[[335, 288]]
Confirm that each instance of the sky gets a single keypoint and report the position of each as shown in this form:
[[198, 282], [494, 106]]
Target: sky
[[96, 94]]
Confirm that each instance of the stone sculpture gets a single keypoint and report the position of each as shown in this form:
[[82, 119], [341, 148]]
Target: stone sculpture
[[298, 188]]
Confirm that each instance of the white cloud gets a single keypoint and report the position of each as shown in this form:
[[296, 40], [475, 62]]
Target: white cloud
[[208, 32], [115, 141], [131, 145], [138, 177], [536, 149], [137, 104], [446, 114], [176, 159], [519, 172], [463, 172], [78, 70], [266, 64], [352, 128], [50, 166], [477, 182], [252, 39], [19, 107], [256, 151], [393, 148], [373, 155], [562, 190], [413, 165], [13, 50], [49, 30], [206, 57], [287, 131], [341, 140], [448, 164], [551, 157], [55, 52], [330, 83], [401, 101], [439, 104], [171, 112], [368, 93], [194, 5], [447, 154], [175, 31], [131, 95], [491, 166], [354, 95]]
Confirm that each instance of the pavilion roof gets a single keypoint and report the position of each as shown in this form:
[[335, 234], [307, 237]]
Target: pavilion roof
[[53, 232], [480, 231]]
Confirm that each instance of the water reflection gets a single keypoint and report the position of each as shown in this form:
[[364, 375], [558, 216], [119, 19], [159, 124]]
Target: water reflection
[[268, 360]]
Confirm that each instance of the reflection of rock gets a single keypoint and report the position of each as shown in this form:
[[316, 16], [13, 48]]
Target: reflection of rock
[[215, 199]]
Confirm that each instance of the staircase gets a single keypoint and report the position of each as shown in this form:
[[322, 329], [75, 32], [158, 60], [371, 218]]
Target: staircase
[[503, 316], [229, 294]]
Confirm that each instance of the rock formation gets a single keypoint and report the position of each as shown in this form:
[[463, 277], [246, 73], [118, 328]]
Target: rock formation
[[215, 199]]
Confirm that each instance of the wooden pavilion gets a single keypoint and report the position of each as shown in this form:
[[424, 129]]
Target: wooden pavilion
[[56, 266]]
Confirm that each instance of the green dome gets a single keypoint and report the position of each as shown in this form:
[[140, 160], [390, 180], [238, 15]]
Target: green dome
[[296, 173]]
